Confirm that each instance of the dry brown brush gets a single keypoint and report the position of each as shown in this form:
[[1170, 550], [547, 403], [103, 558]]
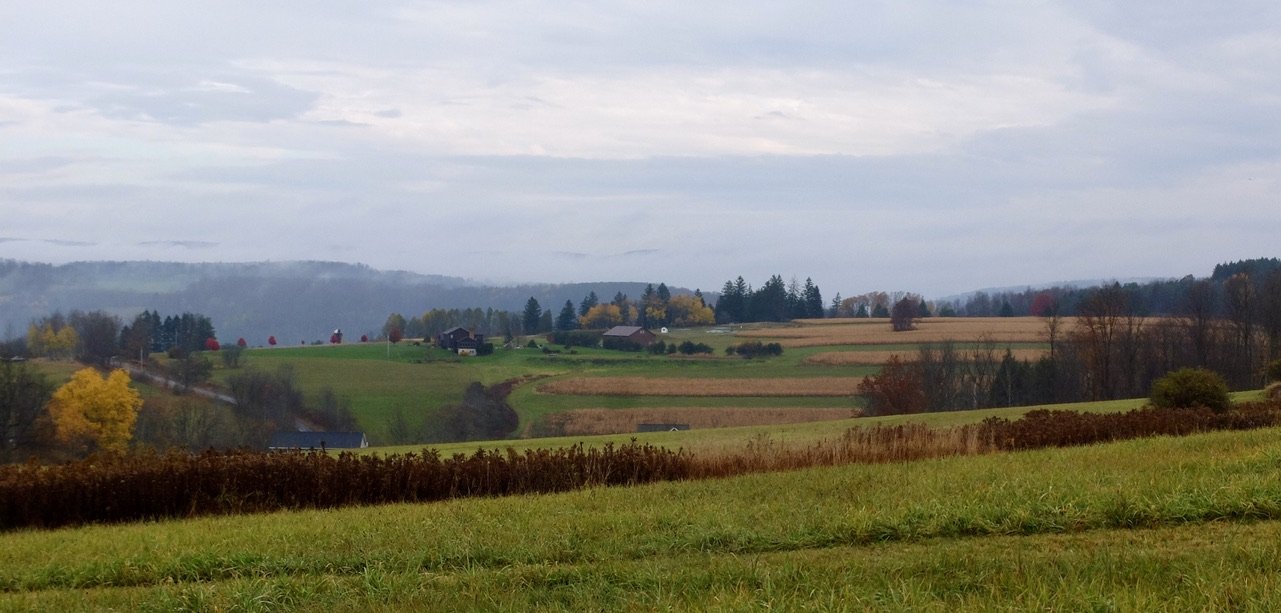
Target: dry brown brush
[[177, 484], [154, 486]]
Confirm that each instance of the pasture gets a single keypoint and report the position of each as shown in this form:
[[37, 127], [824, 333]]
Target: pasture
[[1161, 523], [818, 374]]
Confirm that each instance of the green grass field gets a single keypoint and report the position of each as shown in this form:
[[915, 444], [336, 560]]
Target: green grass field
[[1154, 524], [416, 381]]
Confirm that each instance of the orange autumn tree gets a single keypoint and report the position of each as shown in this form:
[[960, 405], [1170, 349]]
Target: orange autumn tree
[[94, 410]]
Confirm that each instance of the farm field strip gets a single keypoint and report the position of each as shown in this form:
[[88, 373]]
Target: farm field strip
[[579, 422], [717, 440], [934, 329], [673, 386], [870, 358], [968, 506]]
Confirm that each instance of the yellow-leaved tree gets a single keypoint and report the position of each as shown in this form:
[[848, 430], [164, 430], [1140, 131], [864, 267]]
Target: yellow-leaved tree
[[96, 410]]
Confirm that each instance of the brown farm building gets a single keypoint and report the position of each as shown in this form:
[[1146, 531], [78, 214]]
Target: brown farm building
[[635, 334], [455, 339]]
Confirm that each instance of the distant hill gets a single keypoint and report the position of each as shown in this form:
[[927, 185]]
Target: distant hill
[[1078, 284], [294, 301]]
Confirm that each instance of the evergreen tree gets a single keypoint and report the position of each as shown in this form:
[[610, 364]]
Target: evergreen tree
[[730, 304], [813, 300], [531, 316], [769, 303], [568, 318], [589, 301]]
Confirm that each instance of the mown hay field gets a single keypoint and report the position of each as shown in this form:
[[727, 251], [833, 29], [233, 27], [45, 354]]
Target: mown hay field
[[876, 358], [700, 387], [617, 421], [814, 333]]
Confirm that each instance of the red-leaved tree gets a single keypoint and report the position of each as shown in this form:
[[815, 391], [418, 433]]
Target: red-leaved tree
[[898, 388], [211, 344], [241, 342], [271, 340]]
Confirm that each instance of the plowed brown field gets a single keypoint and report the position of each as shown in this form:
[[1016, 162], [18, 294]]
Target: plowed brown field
[[934, 329], [663, 386]]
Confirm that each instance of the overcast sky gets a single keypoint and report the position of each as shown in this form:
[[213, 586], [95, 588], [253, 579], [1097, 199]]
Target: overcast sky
[[920, 146]]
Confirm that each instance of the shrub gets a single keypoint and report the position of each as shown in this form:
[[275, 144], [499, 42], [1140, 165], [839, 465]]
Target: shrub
[[576, 338], [1273, 370], [1272, 391], [691, 348], [1191, 387], [621, 344], [658, 348], [752, 349]]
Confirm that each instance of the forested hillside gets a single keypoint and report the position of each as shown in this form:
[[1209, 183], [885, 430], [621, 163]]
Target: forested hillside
[[293, 301]]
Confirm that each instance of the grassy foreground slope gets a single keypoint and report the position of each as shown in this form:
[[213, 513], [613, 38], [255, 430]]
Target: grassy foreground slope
[[1186, 523]]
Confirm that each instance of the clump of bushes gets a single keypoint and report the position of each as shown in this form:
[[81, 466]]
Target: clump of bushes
[[752, 349], [1272, 391], [621, 344], [1191, 387], [576, 338], [686, 348], [1273, 371], [691, 348]]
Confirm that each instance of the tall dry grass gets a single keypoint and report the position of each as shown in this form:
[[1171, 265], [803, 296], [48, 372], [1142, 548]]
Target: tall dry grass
[[583, 422], [704, 387], [877, 444]]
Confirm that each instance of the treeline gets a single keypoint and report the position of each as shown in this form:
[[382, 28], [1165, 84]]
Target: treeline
[[773, 301], [656, 307], [149, 333], [94, 337], [1109, 351], [1162, 297], [262, 402]]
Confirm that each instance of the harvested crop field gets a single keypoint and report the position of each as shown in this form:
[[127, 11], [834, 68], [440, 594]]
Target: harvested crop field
[[873, 358], [673, 386], [934, 329], [583, 422]]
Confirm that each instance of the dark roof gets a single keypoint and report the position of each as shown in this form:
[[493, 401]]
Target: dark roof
[[455, 329], [623, 330], [317, 440]]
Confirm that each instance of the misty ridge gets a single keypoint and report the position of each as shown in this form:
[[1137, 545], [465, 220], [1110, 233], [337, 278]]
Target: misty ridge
[[297, 302]]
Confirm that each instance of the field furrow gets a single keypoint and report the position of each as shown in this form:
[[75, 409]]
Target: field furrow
[[673, 386]]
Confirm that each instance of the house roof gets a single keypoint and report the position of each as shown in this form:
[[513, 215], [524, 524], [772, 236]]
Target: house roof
[[317, 440], [623, 330], [455, 329]]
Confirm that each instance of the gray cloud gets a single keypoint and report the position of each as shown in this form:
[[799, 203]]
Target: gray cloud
[[183, 244], [931, 147]]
